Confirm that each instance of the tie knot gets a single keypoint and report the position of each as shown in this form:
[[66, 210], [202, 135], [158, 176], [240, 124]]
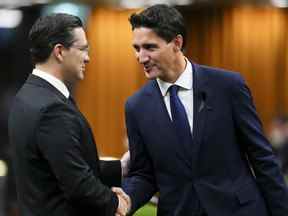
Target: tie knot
[[71, 99], [173, 89]]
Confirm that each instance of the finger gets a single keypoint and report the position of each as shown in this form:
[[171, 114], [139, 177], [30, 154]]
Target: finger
[[125, 197], [126, 206], [116, 189], [122, 206]]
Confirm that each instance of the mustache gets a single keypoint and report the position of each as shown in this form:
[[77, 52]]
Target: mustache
[[148, 66]]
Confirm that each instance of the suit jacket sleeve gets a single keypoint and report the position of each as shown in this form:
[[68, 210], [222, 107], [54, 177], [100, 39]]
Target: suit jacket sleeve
[[111, 173], [258, 149], [59, 140], [140, 184]]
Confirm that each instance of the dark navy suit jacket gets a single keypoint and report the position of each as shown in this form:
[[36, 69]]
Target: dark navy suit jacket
[[230, 163]]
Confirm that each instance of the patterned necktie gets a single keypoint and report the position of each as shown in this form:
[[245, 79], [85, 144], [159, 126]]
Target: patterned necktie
[[179, 118]]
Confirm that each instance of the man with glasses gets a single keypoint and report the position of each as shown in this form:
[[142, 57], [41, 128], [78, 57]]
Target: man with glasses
[[57, 168]]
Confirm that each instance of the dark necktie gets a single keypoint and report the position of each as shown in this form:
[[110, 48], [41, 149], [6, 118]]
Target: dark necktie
[[183, 131], [179, 118], [72, 101]]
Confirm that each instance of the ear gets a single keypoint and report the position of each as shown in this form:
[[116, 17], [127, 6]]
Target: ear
[[59, 52], [178, 43]]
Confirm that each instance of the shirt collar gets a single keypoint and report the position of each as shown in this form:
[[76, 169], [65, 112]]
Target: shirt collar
[[185, 80], [58, 84]]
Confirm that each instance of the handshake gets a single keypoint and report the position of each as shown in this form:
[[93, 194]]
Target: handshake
[[124, 202]]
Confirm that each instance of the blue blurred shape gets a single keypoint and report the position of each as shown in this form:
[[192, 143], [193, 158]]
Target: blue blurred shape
[[76, 9]]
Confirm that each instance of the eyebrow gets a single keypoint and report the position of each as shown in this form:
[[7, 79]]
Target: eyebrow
[[149, 45], [85, 46]]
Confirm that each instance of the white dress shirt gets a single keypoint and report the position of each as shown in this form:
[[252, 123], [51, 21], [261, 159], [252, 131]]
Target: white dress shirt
[[185, 92], [58, 84]]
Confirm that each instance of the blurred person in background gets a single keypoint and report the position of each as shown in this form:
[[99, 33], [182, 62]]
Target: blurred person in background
[[57, 168], [194, 132], [11, 207], [279, 140], [8, 193], [278, 132]]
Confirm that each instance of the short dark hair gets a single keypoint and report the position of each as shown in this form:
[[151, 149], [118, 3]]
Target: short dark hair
[[49, 30], [165, 21]]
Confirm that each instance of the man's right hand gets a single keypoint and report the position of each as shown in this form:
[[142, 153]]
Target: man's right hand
[[124, 202]]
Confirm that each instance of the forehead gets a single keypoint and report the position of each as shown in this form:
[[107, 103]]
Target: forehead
[[79, 36], [144, 35]]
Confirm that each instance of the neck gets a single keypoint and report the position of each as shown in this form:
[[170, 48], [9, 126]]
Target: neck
[[55, 72], [51, 69], [179, 66]]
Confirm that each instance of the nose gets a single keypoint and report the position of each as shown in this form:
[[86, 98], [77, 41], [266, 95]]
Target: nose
[[87, 58], [142, 57]]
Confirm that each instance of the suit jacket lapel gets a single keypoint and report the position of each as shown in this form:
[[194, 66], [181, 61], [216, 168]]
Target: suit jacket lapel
[[91, 150], [201, 96], [163, 122], [35, 80]]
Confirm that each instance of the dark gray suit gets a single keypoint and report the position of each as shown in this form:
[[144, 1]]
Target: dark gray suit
[[56, 163]]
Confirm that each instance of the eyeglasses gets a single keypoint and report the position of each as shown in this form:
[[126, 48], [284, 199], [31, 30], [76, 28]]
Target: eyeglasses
[[82, 48]]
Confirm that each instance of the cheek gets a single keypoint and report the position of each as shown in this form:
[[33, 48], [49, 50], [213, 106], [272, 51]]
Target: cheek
[[162, 59], [156, 57], [169, 57]]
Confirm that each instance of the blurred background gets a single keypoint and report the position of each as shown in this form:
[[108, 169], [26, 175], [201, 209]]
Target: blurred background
[[248, 36]]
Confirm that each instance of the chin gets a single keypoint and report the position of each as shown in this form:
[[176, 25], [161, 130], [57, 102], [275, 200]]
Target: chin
[[81, 76], [151, 75], [148, 76]]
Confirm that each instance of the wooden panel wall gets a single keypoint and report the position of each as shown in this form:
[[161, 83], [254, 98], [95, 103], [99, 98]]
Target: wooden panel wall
[[112, 75], [246, 39]]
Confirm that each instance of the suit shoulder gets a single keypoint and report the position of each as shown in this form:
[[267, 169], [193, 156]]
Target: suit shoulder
[[36, 99], [219, 72], [137, 97], [220, 77]]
